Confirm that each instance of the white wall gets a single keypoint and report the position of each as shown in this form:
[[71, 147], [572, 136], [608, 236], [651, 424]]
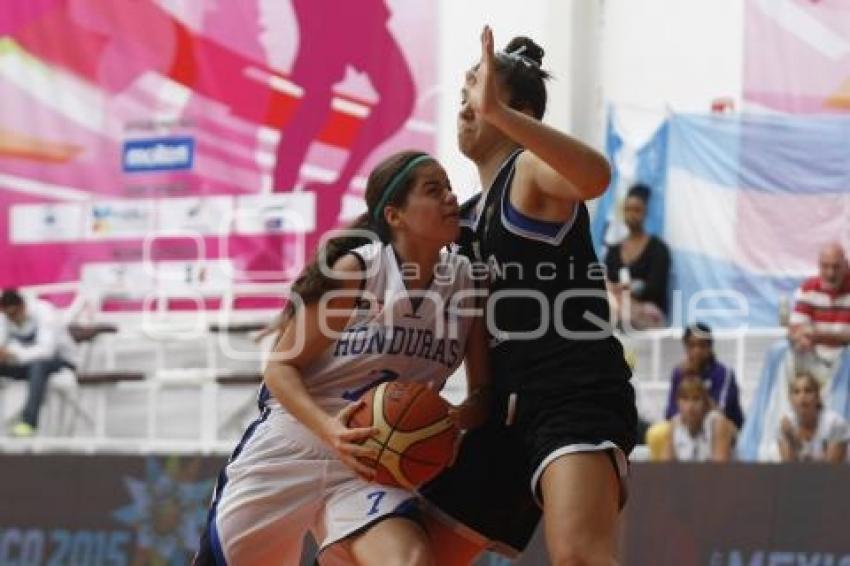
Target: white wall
[[643, 56], [460, 25], [670, 54]]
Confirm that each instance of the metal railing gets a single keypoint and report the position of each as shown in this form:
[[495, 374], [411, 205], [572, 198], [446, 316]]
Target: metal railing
[[183, 406]]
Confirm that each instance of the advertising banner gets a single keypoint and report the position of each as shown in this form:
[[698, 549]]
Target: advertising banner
[[112, 510], [228, 132], [730, 196], [797, 55], [737, 515]]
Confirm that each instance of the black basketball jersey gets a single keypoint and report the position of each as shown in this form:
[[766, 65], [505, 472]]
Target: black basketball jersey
[[548, 315]]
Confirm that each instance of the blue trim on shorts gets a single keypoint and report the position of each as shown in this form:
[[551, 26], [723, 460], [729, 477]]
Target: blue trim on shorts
[[222, 482], [215, 543], [408, 509], [263, 396]]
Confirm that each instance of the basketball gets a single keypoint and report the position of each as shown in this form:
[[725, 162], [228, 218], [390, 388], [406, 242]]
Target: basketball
[[416, 439]]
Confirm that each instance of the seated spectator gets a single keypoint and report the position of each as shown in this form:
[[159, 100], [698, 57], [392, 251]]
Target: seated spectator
[[820, 322], [818, 335], [34, 344], [698, 432], [811, 433], [718, 379], [638, 270]]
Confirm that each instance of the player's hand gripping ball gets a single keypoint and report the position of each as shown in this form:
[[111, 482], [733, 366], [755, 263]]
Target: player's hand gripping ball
[[416, 438]]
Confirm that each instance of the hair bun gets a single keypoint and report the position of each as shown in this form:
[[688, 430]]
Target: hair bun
[[529, 49]]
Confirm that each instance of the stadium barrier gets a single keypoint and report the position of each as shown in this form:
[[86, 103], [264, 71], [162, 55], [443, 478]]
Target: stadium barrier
[[114, 509]]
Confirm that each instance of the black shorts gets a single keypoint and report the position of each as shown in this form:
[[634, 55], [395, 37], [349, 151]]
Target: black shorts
[[493, 487], [486, 489]]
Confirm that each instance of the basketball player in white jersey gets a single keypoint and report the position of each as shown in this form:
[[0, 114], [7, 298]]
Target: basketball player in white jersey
[[399, 308], [811, 432], [698, 432]]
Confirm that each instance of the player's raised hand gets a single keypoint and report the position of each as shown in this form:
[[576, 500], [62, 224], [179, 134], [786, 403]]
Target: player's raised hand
[[483, 88], [347, 443]]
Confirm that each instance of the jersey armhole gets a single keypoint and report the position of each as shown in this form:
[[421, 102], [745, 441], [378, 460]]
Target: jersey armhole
[[524, 226]]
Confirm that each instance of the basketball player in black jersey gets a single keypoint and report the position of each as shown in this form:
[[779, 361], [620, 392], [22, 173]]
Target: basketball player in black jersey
[[564, 418]]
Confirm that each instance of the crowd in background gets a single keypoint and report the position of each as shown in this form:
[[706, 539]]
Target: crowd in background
[[703, 414]]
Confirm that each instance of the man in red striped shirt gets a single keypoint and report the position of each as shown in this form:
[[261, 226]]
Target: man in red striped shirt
[[820, 322]]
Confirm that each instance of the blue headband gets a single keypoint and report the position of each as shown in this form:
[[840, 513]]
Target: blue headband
[[397, 181]]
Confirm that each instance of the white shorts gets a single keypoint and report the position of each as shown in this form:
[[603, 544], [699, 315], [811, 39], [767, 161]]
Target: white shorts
[[283, 482]]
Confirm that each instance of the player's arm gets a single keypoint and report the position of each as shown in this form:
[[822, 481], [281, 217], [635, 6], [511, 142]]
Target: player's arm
[[304, 339], [722, 440], [475, 408], [557, 165]]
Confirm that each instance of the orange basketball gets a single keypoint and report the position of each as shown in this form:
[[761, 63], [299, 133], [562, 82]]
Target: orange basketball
[[416, 439]]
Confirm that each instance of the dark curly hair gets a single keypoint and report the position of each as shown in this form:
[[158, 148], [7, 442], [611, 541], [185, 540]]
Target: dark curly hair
[[519, 67]]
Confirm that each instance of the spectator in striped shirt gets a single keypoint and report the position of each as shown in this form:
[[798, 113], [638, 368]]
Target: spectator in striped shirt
[[821, 313], [820, 322]]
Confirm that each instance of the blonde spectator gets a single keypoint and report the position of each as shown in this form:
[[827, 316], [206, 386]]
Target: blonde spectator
[[699, 432], [811, 433]]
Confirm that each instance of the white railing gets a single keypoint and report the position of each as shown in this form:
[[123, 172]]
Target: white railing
[[656, 352], [176, 352], [180, 407]]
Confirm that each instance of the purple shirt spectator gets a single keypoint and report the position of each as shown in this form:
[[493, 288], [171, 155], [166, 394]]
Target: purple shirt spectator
[[722, 388]]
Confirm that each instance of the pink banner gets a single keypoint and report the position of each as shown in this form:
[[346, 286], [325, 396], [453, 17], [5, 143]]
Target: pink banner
[[797, 55], [190, 144]]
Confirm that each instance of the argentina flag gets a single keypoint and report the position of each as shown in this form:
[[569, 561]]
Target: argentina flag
[[744, 202]]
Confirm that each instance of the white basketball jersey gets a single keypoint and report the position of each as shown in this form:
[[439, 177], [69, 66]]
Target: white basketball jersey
[[282, 480], [393, 334], [697, 448], [831, 428]]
